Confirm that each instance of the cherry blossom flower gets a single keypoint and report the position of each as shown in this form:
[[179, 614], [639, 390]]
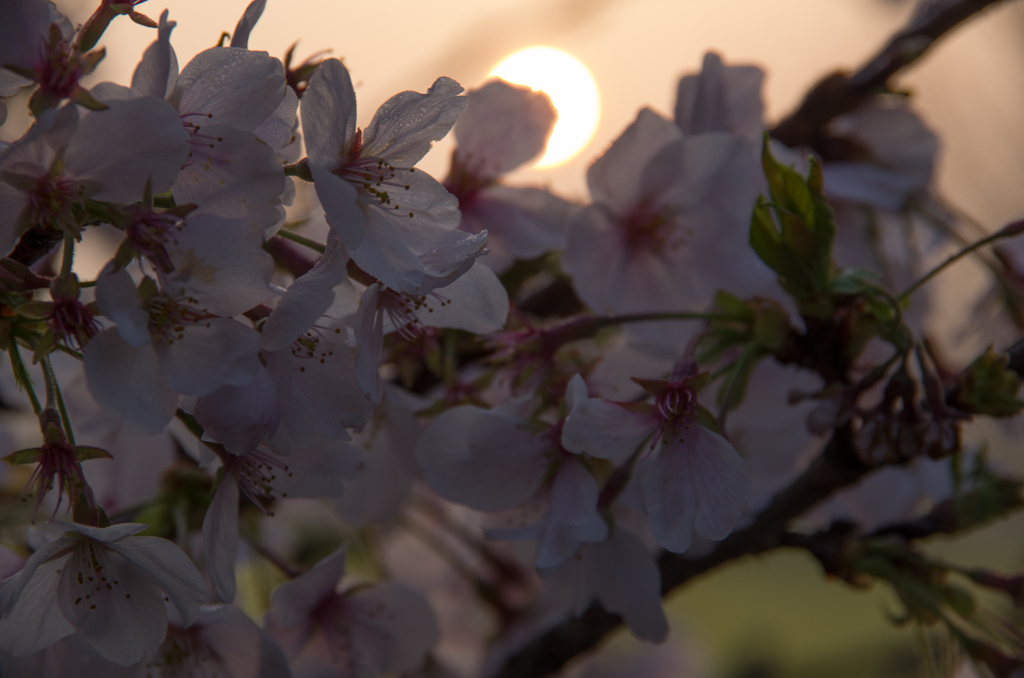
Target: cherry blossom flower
[[695, 481], [493, 460], [503, 128], [360, 633], [222, 640], [36, 47], [238, 112], [668, 225], [306, 379], [397, 223], [66, 158], [180, 338], [475, 302], [104, 583], [317, 470]]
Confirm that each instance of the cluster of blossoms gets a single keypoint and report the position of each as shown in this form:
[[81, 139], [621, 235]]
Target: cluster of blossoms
[[237, 355]]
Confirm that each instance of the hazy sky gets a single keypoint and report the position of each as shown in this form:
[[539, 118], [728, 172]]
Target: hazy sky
[[637, 49]]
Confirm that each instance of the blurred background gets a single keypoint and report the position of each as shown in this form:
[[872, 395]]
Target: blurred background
[[776, 615]]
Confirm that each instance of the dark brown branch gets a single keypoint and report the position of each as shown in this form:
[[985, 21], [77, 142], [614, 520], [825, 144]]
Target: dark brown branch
[[839, 93]]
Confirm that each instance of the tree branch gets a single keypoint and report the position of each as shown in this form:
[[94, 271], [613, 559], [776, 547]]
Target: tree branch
[[840, 93]]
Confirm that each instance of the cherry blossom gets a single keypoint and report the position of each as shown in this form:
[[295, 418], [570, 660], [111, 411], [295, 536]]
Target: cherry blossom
[[104, 583], [668, 225], [695, 481], [238, 112], [67, 157], [180, 337], [504, 127], [397, 223], [359, 633], [317, 470]]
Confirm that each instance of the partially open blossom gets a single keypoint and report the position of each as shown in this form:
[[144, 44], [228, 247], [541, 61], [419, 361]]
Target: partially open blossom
[[397, 223]]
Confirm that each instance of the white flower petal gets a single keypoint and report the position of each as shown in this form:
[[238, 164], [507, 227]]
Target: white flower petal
[[240, 417], [229, 86], [220, 264], [118, 150], [207, 356], [722, 481], [605, 430], [119, 301], [220, 537], [483, 459], [615, 178], [628, 582], [34, 622], [504, 126], [306, 299], [232, 173], [670, 498], [294, 600], [476, 302], [393, 625], [126, 380], [117, 609], [406, 125], [158, 70], [329, 114]]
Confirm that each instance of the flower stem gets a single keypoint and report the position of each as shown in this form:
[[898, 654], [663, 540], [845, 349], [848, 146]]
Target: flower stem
[[23, 378], [654, 317], [1008, 231], [68, 255], [54, 398], [305, 242]]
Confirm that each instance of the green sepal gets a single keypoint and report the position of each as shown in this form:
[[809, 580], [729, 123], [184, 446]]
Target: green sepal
[[35, 310], [82, 97], [85, 453], [29, 456], [705, 418]]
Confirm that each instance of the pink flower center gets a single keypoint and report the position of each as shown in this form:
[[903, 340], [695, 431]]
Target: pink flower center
[[401, 309], [58, 69], [150, 234], [651, 229], [379, 182], [53, 203], [72, 320], [168, 318], [675, 407], [255, 474]]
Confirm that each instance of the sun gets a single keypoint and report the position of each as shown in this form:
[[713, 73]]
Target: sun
[[572, 89]]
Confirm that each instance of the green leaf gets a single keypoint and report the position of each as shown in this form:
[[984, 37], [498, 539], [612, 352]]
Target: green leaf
[[988, 387]]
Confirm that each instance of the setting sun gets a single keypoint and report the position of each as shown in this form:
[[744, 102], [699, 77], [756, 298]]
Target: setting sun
[[572, 90]]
